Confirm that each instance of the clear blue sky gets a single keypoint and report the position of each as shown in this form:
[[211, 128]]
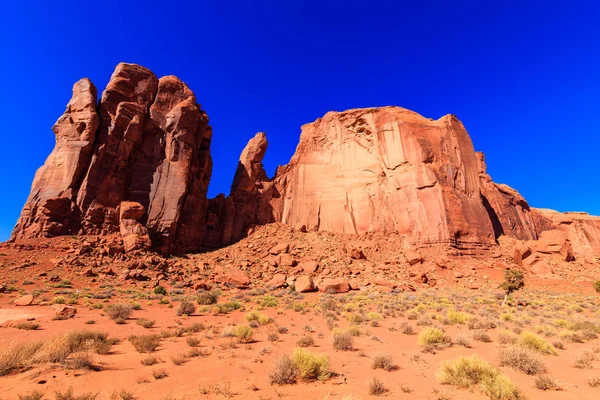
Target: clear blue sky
[[523, 76]]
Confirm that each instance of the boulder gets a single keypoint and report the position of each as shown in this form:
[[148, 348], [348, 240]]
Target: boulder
[[277, 281], [554, 242], [286, 260], [279, 248], [233, 277], [304, 284], [413, 257], [64, 311], [25, 300], [309, 266], [334, 286]]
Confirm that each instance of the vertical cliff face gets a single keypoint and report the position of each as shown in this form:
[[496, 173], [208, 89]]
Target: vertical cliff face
[[49, 208], [387, 170], [147, 141], [509, 212]]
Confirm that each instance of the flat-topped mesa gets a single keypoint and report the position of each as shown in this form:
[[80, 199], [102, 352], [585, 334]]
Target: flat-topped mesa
[[147, 142]]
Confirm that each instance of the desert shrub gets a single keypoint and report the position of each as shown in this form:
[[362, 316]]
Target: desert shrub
[[459, 317], [507, 337], [513, 281], [305, 341], [482, 336], [594, 382], [69, 395], [179, 359], [243, 333], [433, 337], [82, 360], [584, 359], [354, 330], [148, 361], [146, 323], [282, 330], [207, 298], [192, 341], [159, 373], [597, 286], [571, 336], [384, 362], [186, 308], [343, 341], [145, 343], [374, 316], [545, 382], [462, 340], [311, 366], [268, 301], [522, 359], [406, 328], [537, 343], [35, 395], [159, 290], [59, 300], [377, 387], [285, 372], [119, 311], [465, 372], [500, 387], [28, 326]]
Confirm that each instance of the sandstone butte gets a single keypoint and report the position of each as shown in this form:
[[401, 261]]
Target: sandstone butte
[[138, 162]]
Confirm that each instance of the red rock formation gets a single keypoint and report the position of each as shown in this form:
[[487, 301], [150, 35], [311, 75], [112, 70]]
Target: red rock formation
[[48, 210], [581, 229], [148, 142], [139, 163], [509, 211], [387, 170]]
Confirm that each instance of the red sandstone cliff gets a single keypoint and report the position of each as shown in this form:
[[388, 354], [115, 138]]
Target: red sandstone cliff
[[138, 162], [147, 141]]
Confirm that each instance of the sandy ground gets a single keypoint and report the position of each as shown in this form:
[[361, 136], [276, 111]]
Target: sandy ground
[[238, 370]]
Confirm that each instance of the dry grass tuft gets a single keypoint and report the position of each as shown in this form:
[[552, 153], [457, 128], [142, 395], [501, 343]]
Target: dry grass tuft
[[522, 359]]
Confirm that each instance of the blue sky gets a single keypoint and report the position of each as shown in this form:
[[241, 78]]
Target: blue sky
[[523, 76]]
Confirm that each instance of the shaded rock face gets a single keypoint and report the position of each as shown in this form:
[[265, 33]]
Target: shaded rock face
[[249, 202], [509, 212], [147, 141], [49, 209]]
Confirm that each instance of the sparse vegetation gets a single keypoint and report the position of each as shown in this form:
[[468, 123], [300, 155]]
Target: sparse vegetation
[[384, 362], [243, 333], [186, 308], [119, 312], [522, 359], [377, 387], [145, 343], [343, 341], [145, 323]]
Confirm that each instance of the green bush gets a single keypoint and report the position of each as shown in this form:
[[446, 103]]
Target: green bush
[[243, 333], [160, 290], [311, 366]]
